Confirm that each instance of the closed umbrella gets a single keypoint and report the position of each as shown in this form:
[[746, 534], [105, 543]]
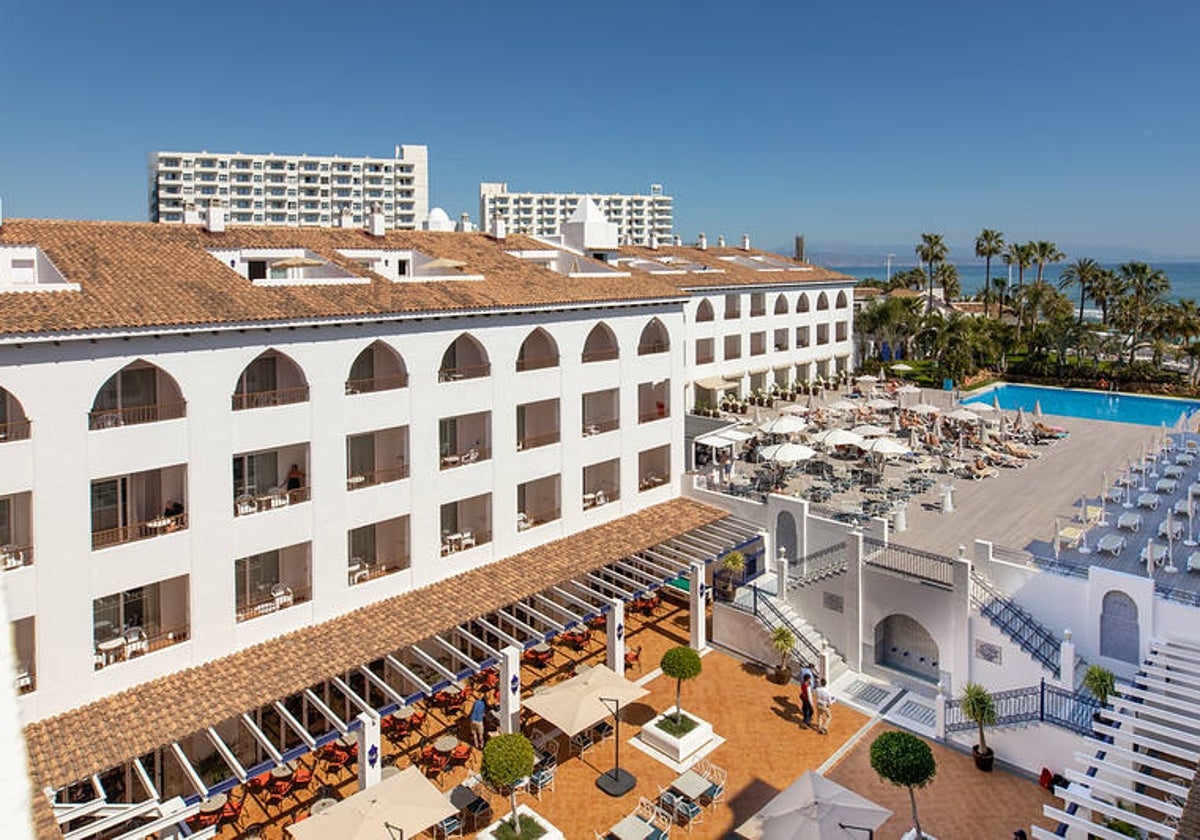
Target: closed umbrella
[[996, 402], [816, 808], [783, 425], [1037, 409], [786, 453]]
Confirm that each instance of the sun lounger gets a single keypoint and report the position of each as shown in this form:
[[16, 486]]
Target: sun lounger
[[1019, 451], [1166, 485], [1112, 544], [1070, 536], [1153, 552], [1113, 494], [1194, 562], [1149, 500], [1173, 471], [1091, 513], [1181, 507], [1176, 529], [1130, 521]]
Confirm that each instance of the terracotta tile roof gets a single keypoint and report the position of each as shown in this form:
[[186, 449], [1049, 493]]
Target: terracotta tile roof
[[136, 274], [45, 826], [75, 744], [733, 274]]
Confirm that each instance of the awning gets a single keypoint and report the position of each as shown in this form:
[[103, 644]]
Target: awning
[[723, 438], [407, 801], [715, 383], [758, 371]]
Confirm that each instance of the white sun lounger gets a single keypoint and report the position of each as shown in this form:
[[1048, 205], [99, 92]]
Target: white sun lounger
[[1112, 544]]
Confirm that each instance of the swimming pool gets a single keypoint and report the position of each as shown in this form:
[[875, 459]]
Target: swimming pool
[[1090, 405]]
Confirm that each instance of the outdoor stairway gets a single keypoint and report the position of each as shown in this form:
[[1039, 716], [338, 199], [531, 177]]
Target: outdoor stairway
[[817, 566], [1018, 625], [773, 612]]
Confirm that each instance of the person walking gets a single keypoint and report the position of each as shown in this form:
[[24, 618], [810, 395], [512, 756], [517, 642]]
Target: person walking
[[825, 701], [478, 711], [806, 699]]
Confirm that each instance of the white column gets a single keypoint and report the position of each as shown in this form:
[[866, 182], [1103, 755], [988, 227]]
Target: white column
[[697, 606], [510, 690], [853, 604], [1066, 657], [616, 635], [939, 726], [370, 753], [781, 572], [15, 789]]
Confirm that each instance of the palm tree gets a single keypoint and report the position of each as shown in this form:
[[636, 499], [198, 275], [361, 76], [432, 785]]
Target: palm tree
[[1145, 287], [1046, 252], [947, 276], [1020, 255], [1082, 273], [989, 243], [1106, 287], [931, 251]]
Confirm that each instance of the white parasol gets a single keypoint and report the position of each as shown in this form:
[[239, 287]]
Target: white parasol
[[816, 808], [902, 368], [407, 801], [886, 447], [786, 453], [842, 405], [831, 438], [925, 408], [963, 416], [783, 425], [869, 430], [880, 404]]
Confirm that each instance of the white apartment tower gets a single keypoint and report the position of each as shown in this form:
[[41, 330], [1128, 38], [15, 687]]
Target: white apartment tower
[[642, 219], [290, 190]]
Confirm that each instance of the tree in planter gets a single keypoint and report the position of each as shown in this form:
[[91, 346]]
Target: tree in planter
[[733, 565], [506, 760], [978, 706], [680, 663], [783, 641], [905, 761], [1100, 683]]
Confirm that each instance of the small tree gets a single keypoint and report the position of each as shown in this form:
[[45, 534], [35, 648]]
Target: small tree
[[680, 663], [978, 705], [1099, 682], [905, 761], [506, 760], [733, 565], [784, 641]]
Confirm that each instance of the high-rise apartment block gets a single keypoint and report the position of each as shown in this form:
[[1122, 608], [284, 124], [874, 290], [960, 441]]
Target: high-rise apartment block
[[641, 219], [291, 190]]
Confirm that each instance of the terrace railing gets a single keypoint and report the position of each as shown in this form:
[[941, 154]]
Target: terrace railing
[[111, 418], [818, 565], [379, 476], [466, 372], [1042, 703], [534, 441], [265, 399], [909, 562], [139, 530], [14, 430], [376, 383], [605, 355], [267, 603]]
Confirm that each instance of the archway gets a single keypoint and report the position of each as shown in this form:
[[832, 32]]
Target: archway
[[271, 379], [138, 393], [601, 344], [704, 312], [822, 301], [14, 424], [465, 358], [785, 536], [538, 351], [802, 303], [903, 644], [377, 368], [1120, 636], [655, 338], [841, 302], [781, 305]]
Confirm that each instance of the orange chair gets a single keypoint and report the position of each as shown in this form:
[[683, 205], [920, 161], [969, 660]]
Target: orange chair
[[460, 754], [232, 811], [302, 777], [634, 657], [437, 763]]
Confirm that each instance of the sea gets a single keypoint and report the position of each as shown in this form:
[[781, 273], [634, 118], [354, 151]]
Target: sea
[[1184, 276]]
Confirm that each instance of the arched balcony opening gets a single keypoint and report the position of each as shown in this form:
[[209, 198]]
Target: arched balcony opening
[[271, 379], [802, 304], [781, 305], [138, 393], [601, 344], [842, 302], [14, 425], [704, 312], [377, 368], [538, 351], [655, 338], [822, 301], [465, 358]]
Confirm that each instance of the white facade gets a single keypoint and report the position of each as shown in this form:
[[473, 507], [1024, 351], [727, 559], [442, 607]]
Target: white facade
[[641, 218], [291, 190]]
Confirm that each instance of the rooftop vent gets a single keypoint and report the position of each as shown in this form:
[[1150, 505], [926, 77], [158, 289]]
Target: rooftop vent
[[653, 241], [346, 219], [498, 230], [678, 240], [191, 214], [215, 221], [375, 224], [720, 240], [702, 242], [745, 242]]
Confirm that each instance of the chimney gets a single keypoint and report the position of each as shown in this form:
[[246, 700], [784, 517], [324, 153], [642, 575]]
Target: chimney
[[702, 242], [464, 222], [346, 217], [678, 240], [498, 229], [800, 247], [216, 217], [191, 214], [375, 222], [745, 242], [652, 242], [720, 240], [1, 213]]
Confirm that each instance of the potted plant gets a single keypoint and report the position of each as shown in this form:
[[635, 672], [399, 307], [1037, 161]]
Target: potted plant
[[783, 641], [673, 733], [506, 760], [978, 706], [1100, 683], [905, 761], [733, 566]]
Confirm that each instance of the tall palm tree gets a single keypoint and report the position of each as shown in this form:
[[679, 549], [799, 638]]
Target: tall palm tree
[[1082, 273], [947, 276], [931, 251], [989, 243], [1145, 288], [1106, 288], [1046, 252], [1020, 255]]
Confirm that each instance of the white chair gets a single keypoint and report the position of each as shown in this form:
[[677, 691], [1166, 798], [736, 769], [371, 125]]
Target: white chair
[[136, 642], [468, 539], [283, 595], [600, 497], [523, 521]]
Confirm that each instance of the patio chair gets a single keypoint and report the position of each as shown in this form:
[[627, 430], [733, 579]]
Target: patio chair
[[602, 731], [686, 812], [136, 642], [302, 778], [542, 780], [1193, 562], [279, 791], [634, 657], [461, 754], [232, 812], [582, 742], [468, 539], [450, 827], [436, 764]]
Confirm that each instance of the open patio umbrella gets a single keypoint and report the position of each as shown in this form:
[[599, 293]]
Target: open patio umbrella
[[795, 409], [868, 378], [786, 453], [908, 389], [407, 801], [902, 368], [785, 424], [979, 408], [886, 446], [880, 404], [925, 408], [963, 416], [573, 705], [841, 405], [816, 808], [831, 438], [870, 430]]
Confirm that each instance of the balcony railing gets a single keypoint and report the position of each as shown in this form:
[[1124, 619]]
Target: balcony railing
[[606, 355], [16, 556], [598, 497], [247, 503], [16, 430], [599, 427], [131, 645], [469, 372], [265, 399], [363, 571], [704, 359], [454, 543], [470, 456], [651, 480], [26, 681], [525, 521], [377, 383], [111, 418], [534, 441], [279, 598], [652, 415], [139, 530], [653, 347], [380, 476], [537, 363]]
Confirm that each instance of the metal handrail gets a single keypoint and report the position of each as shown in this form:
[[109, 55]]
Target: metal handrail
[[762, 603], [600, 355], [135, 531], [376, 383], [110, 418], [534, 441], [1042, 703], [264, 399], [818, 565], [910, 562], [1041, 643], [537, 363], [469, 372], [273, 603], [373, 477]]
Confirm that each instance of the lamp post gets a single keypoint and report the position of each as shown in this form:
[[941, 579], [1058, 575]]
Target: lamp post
[[615, 782], [395, 832]]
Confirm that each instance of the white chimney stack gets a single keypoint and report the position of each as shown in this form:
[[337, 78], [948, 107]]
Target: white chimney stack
[[720, 240], [678, 240], [191, 214], [216, 217], [702, 243], [653, 243], [745, 242], [499, 230], [346, 217], [375, 223]]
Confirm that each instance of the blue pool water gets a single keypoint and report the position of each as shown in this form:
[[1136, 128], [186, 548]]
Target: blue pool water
[[1090, 405]]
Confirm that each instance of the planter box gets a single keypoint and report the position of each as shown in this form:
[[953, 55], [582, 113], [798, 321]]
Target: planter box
[[677, 749], [552, 833]]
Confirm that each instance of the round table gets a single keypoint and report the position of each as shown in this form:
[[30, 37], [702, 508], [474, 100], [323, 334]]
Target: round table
[[541, 647], [403, 713], [446, 743], [214, 804], [321, 806], [348, 741], [282, 772]]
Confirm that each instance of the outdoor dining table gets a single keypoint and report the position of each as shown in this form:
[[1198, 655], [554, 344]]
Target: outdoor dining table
[[282, 772], [541, 647], [403, 713], [632, 827], [446, 743], [692, 785], [214, 804], [321, 806]]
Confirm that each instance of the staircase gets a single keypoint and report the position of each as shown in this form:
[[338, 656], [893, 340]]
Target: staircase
[[1018, 625], [773, 611], [818, 566]]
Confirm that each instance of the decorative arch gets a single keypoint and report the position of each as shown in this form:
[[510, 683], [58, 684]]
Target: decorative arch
[[802, 304], [903, 644], [781, 305], [785, 536], [465, 358], [538, 350], [704, 312], [654, 339], [842, 302], [273, 378], [140, 392], [601, 344], [14, 424], [1120, 634], [822, 301], [377, 368]]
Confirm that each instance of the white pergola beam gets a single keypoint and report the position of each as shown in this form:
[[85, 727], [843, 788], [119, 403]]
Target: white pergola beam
[[1155, 699], [572, 598], [325, 712], [1145, 741], [352, 695], [382, 684], [532, 612], [226, 754], [422, 686], [1148, 780], [288, 718], [140, 770], [1074, 821], [1169, 681], [185, 764], [1137, 758], [501, 634], [506, 614], [1123, 792], [1072, 797], [67, 813], [612, 589], [547, 603], [456, 654], [431, 661], [263, 741], [472, 639], [1145, 710], [119, 818], [164, 822]]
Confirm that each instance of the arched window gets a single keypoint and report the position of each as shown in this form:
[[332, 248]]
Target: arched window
[[785, 536], [704, 312], [138, 393], [601, 344], [841, 302], [14, 425], [822, 301], [465, 358], [377, 368], [271, 379], [1120, 636], [781, 305], [655, 338], [538, 351], [802, 303]]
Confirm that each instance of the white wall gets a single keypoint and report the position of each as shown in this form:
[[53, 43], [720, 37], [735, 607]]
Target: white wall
[[1031, 747]]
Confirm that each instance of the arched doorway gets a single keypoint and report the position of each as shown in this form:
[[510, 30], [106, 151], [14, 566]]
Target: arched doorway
[[785, 536], [1120, 637], [903, 644]]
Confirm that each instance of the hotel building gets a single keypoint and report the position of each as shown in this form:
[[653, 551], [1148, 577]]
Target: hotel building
[[291, 190], [269, 477], [641, 219]]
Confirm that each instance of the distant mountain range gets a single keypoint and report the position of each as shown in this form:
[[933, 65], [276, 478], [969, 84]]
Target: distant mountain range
[[837, 254]]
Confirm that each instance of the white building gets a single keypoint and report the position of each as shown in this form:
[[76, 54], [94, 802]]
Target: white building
[[640, 219], [291, 190]]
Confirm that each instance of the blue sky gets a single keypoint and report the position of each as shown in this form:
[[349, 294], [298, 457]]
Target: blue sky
[[860, 124]]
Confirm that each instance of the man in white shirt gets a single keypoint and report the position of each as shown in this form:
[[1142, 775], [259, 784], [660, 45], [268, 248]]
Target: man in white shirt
[[825, 701]]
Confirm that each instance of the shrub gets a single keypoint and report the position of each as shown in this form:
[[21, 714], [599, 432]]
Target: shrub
[[905, 761], [978, 705]]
